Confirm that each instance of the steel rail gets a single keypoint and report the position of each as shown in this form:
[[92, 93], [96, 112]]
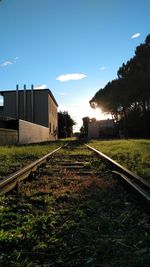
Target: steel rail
[[11, 181], [134, 185], [138, 183]]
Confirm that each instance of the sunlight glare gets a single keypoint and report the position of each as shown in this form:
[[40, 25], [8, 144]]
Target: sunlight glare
[[83, 109], [98, 114]]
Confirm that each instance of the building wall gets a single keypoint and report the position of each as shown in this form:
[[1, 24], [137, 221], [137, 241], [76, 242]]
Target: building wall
[[53, 118], [9, 108], [102, 128], [26, 133], [41, 107], [36, 106], [8, 137], [32, 133], [30, 105], [93, 130]]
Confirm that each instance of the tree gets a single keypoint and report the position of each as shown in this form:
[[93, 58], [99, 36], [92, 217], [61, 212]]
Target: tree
[[128, 97], [65, 125]]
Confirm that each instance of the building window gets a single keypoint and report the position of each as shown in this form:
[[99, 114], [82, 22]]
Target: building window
[[1, 100]]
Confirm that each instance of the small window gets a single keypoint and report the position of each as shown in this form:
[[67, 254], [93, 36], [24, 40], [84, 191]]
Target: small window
[[1, 100]]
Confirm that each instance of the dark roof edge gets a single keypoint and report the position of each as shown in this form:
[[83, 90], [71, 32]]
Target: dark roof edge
[[52, 96]]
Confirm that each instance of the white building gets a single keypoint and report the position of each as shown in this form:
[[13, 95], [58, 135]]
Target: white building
[[101, 129]]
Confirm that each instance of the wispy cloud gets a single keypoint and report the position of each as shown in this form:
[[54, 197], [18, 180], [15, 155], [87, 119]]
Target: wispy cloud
[[9, 62], [6, 63], [69, 77], [68, 107], [103, 68], [41, 86], [15, 59], [63, 94], [135, 35]]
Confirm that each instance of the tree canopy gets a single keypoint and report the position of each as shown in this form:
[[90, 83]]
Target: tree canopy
[[65, 125], [127, 98]]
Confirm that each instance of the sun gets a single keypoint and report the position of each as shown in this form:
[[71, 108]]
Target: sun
[[83, 109], [97, 114]]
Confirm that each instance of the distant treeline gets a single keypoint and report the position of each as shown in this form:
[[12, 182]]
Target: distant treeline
[[127, 98], [65, 125]]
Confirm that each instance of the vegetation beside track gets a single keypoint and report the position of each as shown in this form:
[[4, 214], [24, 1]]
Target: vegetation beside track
[[13, 158], [133, 153], [68, 220]]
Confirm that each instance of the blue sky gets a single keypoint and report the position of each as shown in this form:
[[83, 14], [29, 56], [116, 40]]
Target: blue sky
[[72, 47]]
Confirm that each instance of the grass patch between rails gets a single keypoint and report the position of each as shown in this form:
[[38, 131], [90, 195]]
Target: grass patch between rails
[[133, 154]]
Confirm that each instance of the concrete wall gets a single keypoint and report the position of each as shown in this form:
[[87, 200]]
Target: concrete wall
[[41, 107], [93, 130], [32, 133], [8, 137], [103, 128], [53, 118]]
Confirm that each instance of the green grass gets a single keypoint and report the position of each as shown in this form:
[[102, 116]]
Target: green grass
[[81, 223], [13, 158], [133, 154], [68, 220]]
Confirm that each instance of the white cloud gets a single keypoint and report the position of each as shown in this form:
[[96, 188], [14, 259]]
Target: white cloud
[[15, 59], [135, 35], [69, 77], [6, 63], [103, 68], [41, 86]]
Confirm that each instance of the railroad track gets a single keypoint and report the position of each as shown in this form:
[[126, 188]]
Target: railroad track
[[140, 186], [135, 182], [72, 212], [11, 181]]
